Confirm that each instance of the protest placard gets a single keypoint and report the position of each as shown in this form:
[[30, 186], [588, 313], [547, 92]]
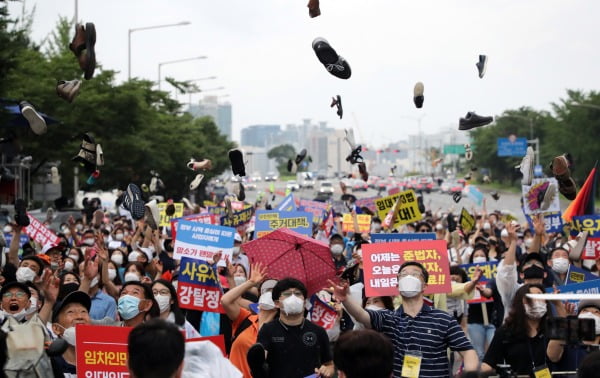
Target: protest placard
[[206, 218], [552, 221], [165, 220], [316, 208], [24, 238], [402, 237], [101, 351], [408, 209], [467, 221], [586, 287], [202, 241], [363, 220], [578, 275], [541, 196], [198, 287], [488, 272], [287, 204], [238, 218], [369, 203], [381, 262], [322, 314], [40, 233], [589, 223], [592, 249], [473, 193], [268, 221]]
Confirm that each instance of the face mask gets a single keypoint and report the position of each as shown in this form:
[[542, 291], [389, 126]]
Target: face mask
[[74, 257], [64, 230], [479, 259], [239, 280], [117, 259], [133, 256], [486, 226], [33, 308], [536, 310], [504, 233], [236, 250], [373, 308], [68, 335], [439, 227], [7, 229], [89, 242], [375, 227], [409, 286], [533, 271], [18, 316], [54, 265], [112, 273], [79, 227], [164, 302], [336, 249], [94, 282], [128, 306], [119, 236], [528, 243], [293, 305], [265, 302], [25, 274], [130, 276], [69, 266], [560, 265], [589, 315]]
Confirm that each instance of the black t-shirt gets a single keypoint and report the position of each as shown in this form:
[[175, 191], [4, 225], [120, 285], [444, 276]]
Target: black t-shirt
[[294, 351], [516, 351]]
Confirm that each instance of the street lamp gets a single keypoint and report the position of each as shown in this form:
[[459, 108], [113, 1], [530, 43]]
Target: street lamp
[[145, 28], [176, 61]]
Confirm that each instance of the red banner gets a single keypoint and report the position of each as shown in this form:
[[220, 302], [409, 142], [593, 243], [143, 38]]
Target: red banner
[[592, 249], [101, 351], [381, 262], [322, 315], [40, 233], [198, 287]]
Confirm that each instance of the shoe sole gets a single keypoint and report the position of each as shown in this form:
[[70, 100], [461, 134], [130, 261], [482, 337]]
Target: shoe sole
[[485, 62], [136, 206], [527, 179], [90, 42], [345, 73], [548, 197], [196, 182], [568, 188], [236, 158], [325, 53], [36, 121], [560, 168], [418, 90]]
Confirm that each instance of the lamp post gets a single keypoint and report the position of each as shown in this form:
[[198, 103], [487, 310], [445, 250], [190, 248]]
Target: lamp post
[[193, 80], [176, 61], [145, 28]]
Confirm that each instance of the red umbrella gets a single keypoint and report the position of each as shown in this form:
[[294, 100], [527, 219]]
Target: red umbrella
[[286, 253]]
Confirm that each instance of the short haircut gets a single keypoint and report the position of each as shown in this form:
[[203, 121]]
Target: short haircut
[[288, 283], [156, 349], [418, 265], [551, 255], [364, 353], [336, 237], [456, 270]]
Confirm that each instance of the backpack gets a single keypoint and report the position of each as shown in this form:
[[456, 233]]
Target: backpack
[[25, 345]]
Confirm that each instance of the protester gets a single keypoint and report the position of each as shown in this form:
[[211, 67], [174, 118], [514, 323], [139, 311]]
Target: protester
[[239, 257], [363, 353], [336, 247], [166, 298]]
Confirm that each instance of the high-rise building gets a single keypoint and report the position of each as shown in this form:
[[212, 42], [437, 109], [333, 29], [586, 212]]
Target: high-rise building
[[261, 136], [220, 113]]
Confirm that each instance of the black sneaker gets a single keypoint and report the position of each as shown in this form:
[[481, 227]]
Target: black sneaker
[[242, 195], [300, 156], [337, 102], [495, 196], [335, 64], [237, 162], [457, 197], [472, 120], [132, 201], [354, 156], [481, 65], [21, 217], [418, 95]]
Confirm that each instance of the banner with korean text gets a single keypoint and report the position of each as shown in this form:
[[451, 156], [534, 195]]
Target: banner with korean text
[[101, 351], [40, 233], [198, 287], [202, 241], [268, 221], [407, 211]]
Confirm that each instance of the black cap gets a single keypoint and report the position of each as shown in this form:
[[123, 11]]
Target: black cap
[[17, 284], [73, 297], [532, 256]]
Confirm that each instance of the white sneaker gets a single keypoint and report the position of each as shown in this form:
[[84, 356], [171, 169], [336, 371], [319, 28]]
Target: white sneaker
[[526, 167], [548, 197], [197, 180]]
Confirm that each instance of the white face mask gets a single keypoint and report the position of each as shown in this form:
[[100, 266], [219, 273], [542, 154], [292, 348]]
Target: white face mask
[[239, 280], [336, 249], [33, 308], [528, 243], [74, 257], [94, 282], [479, 259], [589, 315], [292, 305], [25, 274], [7, 229], [359, 253], [68, 335], [133, 256], [69, 266], [236, 250], [375, 227], [487, 226], [89, 241], [504, 233], [117, 259], [164, 302], [18, 316], [119, 236], [112, 274], [409, 286], [79, 227], [560, 265], [373, 307], [130, 276], [265, 302], [536, 310]]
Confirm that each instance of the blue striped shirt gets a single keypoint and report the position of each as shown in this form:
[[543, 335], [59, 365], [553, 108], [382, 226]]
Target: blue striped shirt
[[431, 332]]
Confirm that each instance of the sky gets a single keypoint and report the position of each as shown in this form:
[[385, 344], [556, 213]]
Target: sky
[[261, 53]]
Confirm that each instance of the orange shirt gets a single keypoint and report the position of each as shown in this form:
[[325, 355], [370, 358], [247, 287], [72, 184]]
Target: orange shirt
[[240, 346]]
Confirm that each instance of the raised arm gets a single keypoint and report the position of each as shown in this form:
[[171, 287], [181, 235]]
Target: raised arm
[[353, 308], [230, 299], [13, 250]]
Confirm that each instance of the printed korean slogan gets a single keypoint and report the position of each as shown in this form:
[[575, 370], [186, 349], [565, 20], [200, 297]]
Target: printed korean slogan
[[165, 220], [402, 237], [552, 221], [101, 351], [40, 233], [467, 221], [239, 217], [268, 221], [363, 220], [586, 287], [322, 314], [202, 241], [589, 223], [207, 218], [198, 287], [592, 249], [408, 209], [381, 262], [316, 208], [369, 203], [288, 204], [488, 272]]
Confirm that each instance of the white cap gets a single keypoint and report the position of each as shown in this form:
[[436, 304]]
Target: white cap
[[47, 247], [237, 237], [147, 252]]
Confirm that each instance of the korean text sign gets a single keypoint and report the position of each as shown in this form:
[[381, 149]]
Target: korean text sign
[[402, 237], [408, 210], [101, 351], [198, 287], [589, 223], [363, 220], [552, 221], [322, 314], [467, 221], [202, 241], [381, 262], [40, 233], [268, 221], [165, 220], [207, 218], [488, 272], [239, 217]]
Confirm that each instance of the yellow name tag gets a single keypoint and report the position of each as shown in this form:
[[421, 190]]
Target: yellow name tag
[[543, 373], [411, 366]]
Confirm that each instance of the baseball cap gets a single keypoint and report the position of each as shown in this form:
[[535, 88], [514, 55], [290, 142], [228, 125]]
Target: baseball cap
[[16, 284], [73, 297]]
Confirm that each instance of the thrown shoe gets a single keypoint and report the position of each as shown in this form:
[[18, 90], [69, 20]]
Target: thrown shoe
[[36, 121], [196, 181], [486, 179], [473, 168], [204, 164], [242, 192], [132, 201], [355, 156], [337, 102], [472, 120], [300, 156], [418, 95], [562, 173], [21, 217], [457, 197], [237, 162], [68, 89], [228, 208], [77, 45], [313, 8], [152, 214], [335, 64], [468, 176], [468, 152], [526, 167], [546, 196], [291, 166], [89, 63], [362, 168], [170, 209], [495, 195], [481, 65]]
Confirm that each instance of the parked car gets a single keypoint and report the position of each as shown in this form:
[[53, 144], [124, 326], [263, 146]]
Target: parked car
[[359, 185], [249, 184], [292, 185], [308, 184], [271, 176], [326, 187]]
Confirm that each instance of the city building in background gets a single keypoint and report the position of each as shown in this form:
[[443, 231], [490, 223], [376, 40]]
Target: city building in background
[[219, 111]]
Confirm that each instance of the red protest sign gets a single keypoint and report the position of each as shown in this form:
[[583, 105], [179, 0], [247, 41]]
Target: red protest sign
[[101, 351], [40, 233], [592, 249], [198, 287], [381, 262], [322, 315]]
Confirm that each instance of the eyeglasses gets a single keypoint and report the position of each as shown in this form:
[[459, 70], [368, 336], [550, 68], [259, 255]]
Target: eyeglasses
[[161, 292], [414, 274], [18, 294], [297, 293]]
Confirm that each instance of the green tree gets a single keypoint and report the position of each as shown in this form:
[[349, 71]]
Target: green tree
[[282, 154]]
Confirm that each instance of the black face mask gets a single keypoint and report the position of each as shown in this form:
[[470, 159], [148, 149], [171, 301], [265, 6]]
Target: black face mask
[[533, 271]]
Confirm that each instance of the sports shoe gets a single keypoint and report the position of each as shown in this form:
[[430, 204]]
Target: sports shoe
[[335, 64], [313, 8], [68, 89], [546, 196], [362, 168], [457, 196], [237, 162], [472, 120], [132, 201], [196, 181], [495, 196], [418, 97], [473, 168], [337, 102], [560, 169], [204, 164], [300, 156], [468, 176], [152, 214], [35, 120], [87, 155], [526, 167], [242, 193], [21, 217], [481, 65], [291, 166], [468, 152], [354, 156], [228, 208]]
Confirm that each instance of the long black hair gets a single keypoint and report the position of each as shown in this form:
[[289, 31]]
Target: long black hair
[[179, 317], [516, 322]]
